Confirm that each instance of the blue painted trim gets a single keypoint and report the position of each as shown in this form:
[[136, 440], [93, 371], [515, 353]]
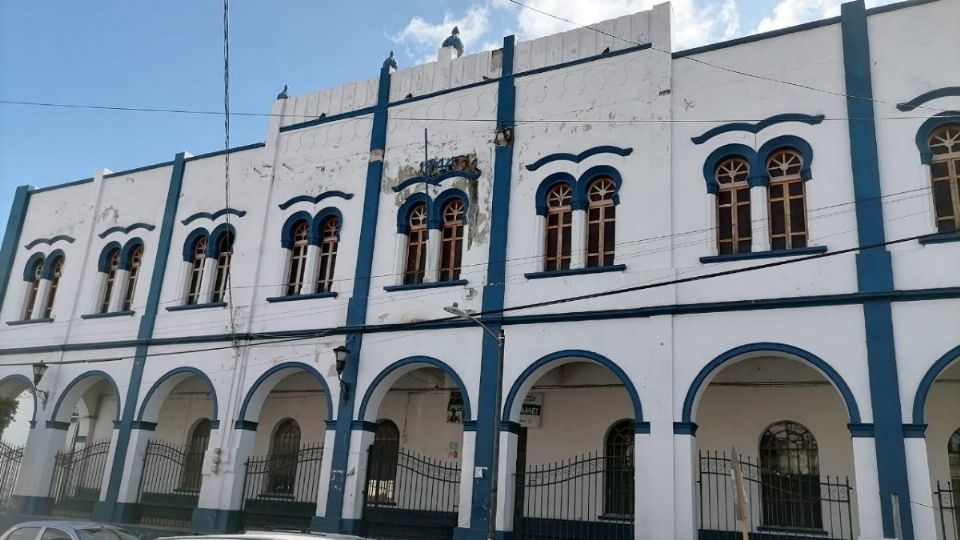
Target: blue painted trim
[[227, 151], [571, 63], [190, 244], [61, 426], [33, 190], [330, 424], [578, 158], [30, 269], [361, 425], [583, 355], [143, 426], [126, 257], [772, 254], [915, 431], [715, 365], [109, 314], [292, 367], [28, 385], [435, 219], [93, 373], [11, 236], [431, 95], [403, 213], [470, 425], [727, 151], [435, 180], [215, 520], [140, 169], [929, 96], [641, 428], [922, 138], [899, 5], [50, 241], [576, 271], [245, 425], [757, 127], [192, 371], [116, 424], [930, 377], [103, 262], [314, 199], [188, 307], [783, 142], [297, 297], [415, 362], [286, 232], [331, 118], [588, 176], [510, 427], [213, 246], [685, 428], [30, 321], [213, 216], [941, 238], [757, 37], [316, 225], [127, 229], [50, 263], [551, 180], [861, 430], [430, 285]]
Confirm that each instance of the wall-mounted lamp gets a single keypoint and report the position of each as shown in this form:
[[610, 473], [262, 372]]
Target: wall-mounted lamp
[[343, 355], [38, 370]]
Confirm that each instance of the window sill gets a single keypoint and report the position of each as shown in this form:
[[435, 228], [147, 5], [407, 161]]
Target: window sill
[[576, 271], [809, 250], [188, 307], [29, 321], [940, 238], [431, 285], [108, 314], [295, 297]]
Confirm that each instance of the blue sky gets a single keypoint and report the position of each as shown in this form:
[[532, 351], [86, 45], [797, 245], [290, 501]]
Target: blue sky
[[169, 55]]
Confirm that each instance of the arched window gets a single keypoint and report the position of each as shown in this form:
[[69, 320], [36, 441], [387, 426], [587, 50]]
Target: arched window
[[330, 231], [953, 455], [110, 280], [733, 206], [790, 477], [136, 256], [384, 455], [601, 222], [193, 460], [195, 283], [222, 274], [284, 448], [559, 223], [54, 285], [618, 469], [451, 240], [415, 264], [945, 173], [788, 213], [36, 274], [298, 257]]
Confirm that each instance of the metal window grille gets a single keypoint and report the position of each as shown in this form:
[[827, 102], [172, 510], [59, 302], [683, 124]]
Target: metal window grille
[[298, 257], [265, 508], [947, 500], [111, 279], [945, 175], [415, 265], [788, 216], [165, 498], [191, 474], [328, 253], [196, 270], [790, 463], [557, 238], [601, 222], [77, 475], [451, 243], [734, 229], [54, 285], [283, 457], [135, 258], [619, 471], [224, 253]]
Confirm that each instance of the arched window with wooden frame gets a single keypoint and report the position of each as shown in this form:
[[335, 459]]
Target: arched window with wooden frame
[[787, 200], [953, 457], [557, 237], [284, 449], [945, 174], [790, 477], [192, 473], [601, 222], [385, 453], [329, 242], [618, 469], [453, 215], [56, 270], [221, 275], [110, 279], [298, 257], [415, 262], [195, 278], [734, 229], [136, 258], [32, 275]]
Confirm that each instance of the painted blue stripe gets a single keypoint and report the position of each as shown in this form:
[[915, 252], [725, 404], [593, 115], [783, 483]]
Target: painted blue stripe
[[34, 190], [11, 237], [331, 118], [435, 180], [928, 96], [758, 126], [50, 241], [316, 198], [757, 37], [577, 158], [140, 169], [214, 215], [127, 229], [229, 151], [923, 389]]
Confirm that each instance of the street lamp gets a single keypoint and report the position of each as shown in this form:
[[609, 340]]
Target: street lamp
[[495, 428], [342, 354], [38, 370]]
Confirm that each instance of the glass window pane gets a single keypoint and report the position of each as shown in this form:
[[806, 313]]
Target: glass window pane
[[942, 198], [54, 534], [724, 197], [743, 220], [796, 188], [776, 191], [725, 223], [939, 168], [777, 219], [797, 221]]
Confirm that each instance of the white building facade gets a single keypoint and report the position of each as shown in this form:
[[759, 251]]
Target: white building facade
[[742, 256]]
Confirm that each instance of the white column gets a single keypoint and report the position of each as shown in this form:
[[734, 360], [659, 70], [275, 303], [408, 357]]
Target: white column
[[326, 464], [40, 302], [133, 465], [222, 485], [209, 269], [711, 214], [867, 488], [651, 509], [538, 243], [98, 297], [311, 271], [921, 489], [36, 469], [506, 486], [578, 240], [433, 256], [466, 478], [400, 258], [356, 474], [758, 216], [685, 501], [119, 290]]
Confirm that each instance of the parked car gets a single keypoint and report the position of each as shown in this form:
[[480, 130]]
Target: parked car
[[65, 530], [266, 535]]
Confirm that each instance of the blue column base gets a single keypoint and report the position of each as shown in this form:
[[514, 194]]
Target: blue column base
[[214, 520], [35, 506], [125, 512], [324, 524], [351, 526]]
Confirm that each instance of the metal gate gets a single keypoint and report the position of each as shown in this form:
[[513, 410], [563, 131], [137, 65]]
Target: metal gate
[[77, 477], [585, 498], [409, 496], [280, 491], [170, 484], [10, 459], [781, 505], [948, 501]]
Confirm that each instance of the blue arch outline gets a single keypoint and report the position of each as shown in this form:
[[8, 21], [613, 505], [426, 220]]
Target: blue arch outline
[[593, 172], [50, 262], [204, 378], [786, 141], [127, 229], [29, 386], [190, 243], [85, 375], [907, 106], [403, 213], [30, 268], [435, 180], [286, 232], [923, 132], [577, 158], [213, 246], [576, 353], [853, 410], [757, 127], [214, 215], [551, 180], [429, 360], [315, 198], [50, 241], [103, 262], [731, 150], [307, 368], [930, 377], [316, 224], [435, 219], [126, 256]]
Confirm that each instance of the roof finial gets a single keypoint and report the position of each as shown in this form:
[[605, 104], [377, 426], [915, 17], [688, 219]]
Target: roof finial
[[390, 62], [454, 41]]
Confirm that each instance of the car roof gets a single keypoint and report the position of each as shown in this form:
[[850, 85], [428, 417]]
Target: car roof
[[65, 523], [268, 535]]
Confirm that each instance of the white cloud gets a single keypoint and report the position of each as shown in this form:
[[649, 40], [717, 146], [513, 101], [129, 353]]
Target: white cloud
[[422, 38], [793, 12]]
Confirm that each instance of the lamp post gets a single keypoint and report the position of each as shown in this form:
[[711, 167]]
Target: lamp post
[[38, 370], [495, 429], [342, 354]]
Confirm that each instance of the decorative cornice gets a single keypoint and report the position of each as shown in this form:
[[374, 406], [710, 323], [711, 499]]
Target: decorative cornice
[[315, 198], [50, 241], [127, 229], [435, 180], [215, 215], [861, 430], [577, 158], [928, 96], [758, 126]]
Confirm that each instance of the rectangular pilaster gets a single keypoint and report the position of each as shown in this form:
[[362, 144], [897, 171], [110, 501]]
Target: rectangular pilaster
[[685, 501], [921, 489], [868, 489], [758, 219]]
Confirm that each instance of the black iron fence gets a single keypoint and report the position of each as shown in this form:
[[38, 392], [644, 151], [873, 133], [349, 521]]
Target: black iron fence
[[778, 505], [280, 491], [586, 497], [409, 496], [947, 500], [170, 484], [77, 477], [10, 459]]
